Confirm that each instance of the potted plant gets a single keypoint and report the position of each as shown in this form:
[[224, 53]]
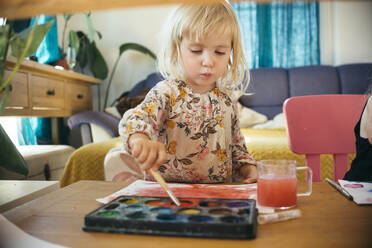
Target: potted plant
[[84, 50]]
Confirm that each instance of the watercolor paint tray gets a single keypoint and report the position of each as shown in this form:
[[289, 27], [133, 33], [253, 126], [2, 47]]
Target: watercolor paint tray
[[206, 218]]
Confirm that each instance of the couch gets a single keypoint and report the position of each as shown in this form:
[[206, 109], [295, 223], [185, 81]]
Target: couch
[[269, 88]]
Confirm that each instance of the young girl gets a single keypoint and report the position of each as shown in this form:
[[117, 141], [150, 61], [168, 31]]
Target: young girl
[[187, 127]]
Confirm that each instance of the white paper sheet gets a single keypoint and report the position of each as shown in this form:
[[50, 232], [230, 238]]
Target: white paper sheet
[[361, 191]]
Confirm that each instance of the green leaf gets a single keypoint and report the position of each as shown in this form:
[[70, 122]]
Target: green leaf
[[18, 41], [99, 34], [82, 55], [90, 56], [10, 158], [4, 40], [134, 46], [91, 30], [74, 41], [97, 63]]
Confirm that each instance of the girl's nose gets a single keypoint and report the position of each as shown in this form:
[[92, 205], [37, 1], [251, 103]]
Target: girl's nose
[[207, 59]]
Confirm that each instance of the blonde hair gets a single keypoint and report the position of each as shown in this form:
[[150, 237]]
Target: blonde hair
[[197, 21]]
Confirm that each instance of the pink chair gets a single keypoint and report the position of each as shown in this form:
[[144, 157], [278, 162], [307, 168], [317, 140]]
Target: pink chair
[[323, 124]]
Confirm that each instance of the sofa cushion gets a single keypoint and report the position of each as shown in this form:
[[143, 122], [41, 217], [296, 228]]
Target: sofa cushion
[[269, 111], [248, 117], [279, 121], [313, 80], [45, 162], [268, 88], [355, 78], [148, 82]]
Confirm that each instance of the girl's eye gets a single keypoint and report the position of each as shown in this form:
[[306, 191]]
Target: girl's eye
[[195, 51], [220, 53]]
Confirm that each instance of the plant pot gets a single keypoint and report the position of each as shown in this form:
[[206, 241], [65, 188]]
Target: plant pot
[[62, 63]]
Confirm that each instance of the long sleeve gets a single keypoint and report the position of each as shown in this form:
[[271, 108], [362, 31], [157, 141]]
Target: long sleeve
[[147, 118], [240, 155]]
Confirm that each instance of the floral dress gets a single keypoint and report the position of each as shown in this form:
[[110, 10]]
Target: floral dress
[[201, 132]]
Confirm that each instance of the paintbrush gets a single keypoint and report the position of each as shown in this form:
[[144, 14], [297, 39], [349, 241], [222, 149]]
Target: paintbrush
[[164, 185]]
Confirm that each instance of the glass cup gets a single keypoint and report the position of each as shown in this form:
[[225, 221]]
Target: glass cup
[[277, 183], [71, 57]]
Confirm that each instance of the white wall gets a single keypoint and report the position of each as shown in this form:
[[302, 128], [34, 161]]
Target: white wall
[[9, 124], [346, 32], [139, 25], [346, 37]]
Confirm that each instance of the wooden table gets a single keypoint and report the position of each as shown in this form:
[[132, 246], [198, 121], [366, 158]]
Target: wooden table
[[329, 220], [17, 192]]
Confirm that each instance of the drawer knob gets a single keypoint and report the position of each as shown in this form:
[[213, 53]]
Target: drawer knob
[[51, 93], [80, 96]]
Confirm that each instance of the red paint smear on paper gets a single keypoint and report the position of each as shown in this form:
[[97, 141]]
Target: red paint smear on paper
[[197, 191], [153, 189]]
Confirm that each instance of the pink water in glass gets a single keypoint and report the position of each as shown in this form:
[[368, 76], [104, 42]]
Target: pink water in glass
[[277, 191]]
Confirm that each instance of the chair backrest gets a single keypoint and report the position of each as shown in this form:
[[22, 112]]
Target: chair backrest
[[323, 124]]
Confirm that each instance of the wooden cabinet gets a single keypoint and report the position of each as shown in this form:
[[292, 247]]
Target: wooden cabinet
[[79, 96], [18, 96], [42, 90], [47, 93]]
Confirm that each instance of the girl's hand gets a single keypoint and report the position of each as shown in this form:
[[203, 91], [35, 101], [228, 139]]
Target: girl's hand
[[150, 154], [249, 172]]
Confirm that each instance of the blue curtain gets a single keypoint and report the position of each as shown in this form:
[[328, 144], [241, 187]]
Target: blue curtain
[[33, 130], [48, 50], [279, 34], [26, 131]]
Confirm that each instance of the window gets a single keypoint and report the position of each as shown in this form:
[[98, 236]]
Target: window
[[279, 34]]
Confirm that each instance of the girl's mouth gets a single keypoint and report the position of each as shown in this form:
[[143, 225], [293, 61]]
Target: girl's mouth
[[206, 75]]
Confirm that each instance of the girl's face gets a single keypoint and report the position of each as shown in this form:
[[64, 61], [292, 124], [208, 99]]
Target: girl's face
[[205, 61]]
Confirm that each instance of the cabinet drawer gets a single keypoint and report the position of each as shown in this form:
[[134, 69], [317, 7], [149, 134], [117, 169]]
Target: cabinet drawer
[[18, 96], [80, 97], [47, 93]]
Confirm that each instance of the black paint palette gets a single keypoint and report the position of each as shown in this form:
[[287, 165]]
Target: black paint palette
[[206, 218]]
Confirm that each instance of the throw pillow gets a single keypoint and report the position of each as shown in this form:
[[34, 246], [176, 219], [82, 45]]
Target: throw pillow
[[278, 121], [113, 111], [248, 117], [127, 103]]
